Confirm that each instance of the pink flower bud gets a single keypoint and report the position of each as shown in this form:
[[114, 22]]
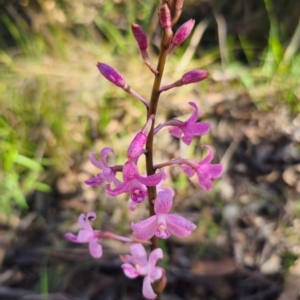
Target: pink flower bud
[[112, 75], [140, 36], [194, 76], [183, 32], [165, 17]]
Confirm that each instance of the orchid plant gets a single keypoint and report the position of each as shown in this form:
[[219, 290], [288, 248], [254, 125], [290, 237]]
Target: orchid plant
[[161, 223]]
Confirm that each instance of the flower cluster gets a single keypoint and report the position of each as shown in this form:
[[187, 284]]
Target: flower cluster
[[161, 223]]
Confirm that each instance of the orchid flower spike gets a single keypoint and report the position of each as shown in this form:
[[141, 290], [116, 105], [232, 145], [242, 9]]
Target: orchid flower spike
[[108, 173], [117, 79], [142, 41], [187, 78], [205, 171], [162, 224], [134, 183], [137, 264], [181, 35], [136, 147], [188, 129]]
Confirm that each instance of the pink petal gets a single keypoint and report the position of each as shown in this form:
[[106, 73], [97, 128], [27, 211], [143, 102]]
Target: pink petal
[[189, 171], [155, 274], [179, 226], [104, 152], [209, 156], [194, 117], [148, 292], [187, 139], [95, 249], [84, 236], [214, 171], [84, 222], [130, 271], [138, 251], [95, 162], [71, 237], [132, 205], [130, 171], [204, 181], [151, 180], [163, 202], [175, 131], [94, 181], [154, 256], [145, 229], [197, 129], [122, 188]]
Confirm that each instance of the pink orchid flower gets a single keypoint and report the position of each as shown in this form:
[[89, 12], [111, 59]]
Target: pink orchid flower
[[188, 129], [87, 234], [159, 188], [205, 171], [134, 183], [108, 173], [162, 224], [92, 237], [137, 264]]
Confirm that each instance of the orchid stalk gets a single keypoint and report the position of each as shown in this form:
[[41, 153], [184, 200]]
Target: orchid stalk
[[163, 221]]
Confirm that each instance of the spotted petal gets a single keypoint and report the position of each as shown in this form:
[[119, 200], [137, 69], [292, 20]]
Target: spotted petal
[[145, 229], [179, 226], [95, 249], [148, 292]]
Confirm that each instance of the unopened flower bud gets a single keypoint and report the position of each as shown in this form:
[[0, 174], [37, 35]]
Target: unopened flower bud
[[194, 76], [112, 75], [165, 17], [140, 36], [166, 24], [177, 10], [189, 77], [183, 32], [136, 147]]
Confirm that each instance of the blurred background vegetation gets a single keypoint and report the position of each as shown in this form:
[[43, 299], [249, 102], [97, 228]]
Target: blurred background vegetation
[[54, 105]]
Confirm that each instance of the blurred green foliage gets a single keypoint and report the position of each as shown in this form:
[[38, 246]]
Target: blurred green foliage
[[53, 105]]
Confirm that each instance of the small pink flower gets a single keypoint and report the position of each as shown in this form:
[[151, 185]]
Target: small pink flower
[[112, 75], [136, 147], [205, 171], [108, 174], [137, 264], [165, 17], [190, 127], [162, 224], [87, 234], [134, 183]]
